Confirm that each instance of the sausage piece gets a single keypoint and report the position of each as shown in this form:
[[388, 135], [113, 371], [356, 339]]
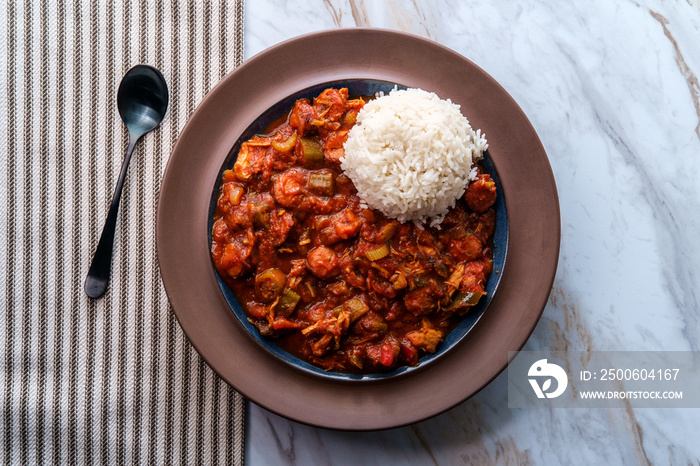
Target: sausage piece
[[481, 194], [323, 262]]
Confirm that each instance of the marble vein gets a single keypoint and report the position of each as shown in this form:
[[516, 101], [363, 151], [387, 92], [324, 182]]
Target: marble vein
[[336, 14], [425, 443], [690, 77], [359, 13], [637, 433]]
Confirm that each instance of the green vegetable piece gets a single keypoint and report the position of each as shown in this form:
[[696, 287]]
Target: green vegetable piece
[[357, 308], [288, 301], [263, 327], [378, 253], [441, 269], [269, 284], [465, 300], [311, 150], [322, 183], [261, 215], [388, 231], [379, 326], [350, 118], [287, 145], [356, 360]]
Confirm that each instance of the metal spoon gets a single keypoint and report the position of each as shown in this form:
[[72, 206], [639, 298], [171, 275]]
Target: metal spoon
[[142, 100]]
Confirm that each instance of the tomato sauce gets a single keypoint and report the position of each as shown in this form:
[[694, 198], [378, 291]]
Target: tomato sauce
[[333, 282]]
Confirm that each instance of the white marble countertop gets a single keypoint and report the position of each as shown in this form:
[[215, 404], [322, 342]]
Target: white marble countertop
[[612, 90]]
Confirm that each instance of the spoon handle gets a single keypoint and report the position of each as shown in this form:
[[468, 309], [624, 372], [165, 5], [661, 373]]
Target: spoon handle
[[98, 275]]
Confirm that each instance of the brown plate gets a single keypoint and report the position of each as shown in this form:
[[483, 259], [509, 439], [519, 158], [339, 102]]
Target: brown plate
[[206, 141]]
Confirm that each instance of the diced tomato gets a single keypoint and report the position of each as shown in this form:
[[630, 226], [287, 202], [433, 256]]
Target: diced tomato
[[390, 350], [281, 322]]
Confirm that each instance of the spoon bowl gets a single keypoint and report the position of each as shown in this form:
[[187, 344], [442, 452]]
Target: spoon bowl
[[142, 100]]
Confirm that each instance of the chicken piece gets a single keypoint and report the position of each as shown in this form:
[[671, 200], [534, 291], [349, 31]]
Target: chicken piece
[[398, 281], [425, 243], [380, 285], [473, 279], [465, 248], [236, 252], [296, 275], [354, 277], [250, 158], [338, 289], [302, 116], [420, 301], [334, 325], [288, 188], [330, 104], [455, 278], [331, 328], [281, 222], [427, 338]]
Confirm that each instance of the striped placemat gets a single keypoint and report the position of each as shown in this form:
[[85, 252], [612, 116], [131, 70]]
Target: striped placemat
[[114, 380]]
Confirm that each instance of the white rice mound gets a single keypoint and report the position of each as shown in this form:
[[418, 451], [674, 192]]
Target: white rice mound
[[410, 155]]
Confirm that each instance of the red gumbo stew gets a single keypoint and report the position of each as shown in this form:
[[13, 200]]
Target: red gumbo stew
[[335, 283]]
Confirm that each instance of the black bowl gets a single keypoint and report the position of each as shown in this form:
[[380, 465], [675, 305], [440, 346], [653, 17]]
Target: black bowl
[[365, 87]]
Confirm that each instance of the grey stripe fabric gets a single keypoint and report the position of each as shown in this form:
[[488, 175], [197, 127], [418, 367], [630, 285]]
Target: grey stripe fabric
[[113, 381]]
